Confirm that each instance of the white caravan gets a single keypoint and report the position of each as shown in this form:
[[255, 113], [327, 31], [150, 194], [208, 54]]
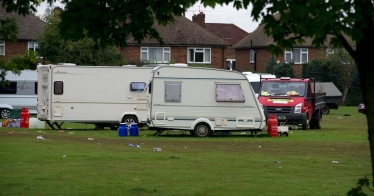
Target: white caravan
[[20, 92], [100, 95], [203, 101]]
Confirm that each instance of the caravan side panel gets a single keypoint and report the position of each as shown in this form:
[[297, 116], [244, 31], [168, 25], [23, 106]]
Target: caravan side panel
[[183, 97]]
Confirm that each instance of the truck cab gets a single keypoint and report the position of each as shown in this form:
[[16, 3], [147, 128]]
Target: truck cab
[[292, 101]]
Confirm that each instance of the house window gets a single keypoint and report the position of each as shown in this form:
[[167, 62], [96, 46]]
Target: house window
[[33, 46], [297, 55], [229, 93], [2, 48], [198, 55], [156, 55], [173, 91], [253, 56]]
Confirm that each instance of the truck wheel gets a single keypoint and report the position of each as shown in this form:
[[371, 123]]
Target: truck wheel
[[129, 120], [325, 110], [304, 125], [318, 122], [4, 113], [202, 130]]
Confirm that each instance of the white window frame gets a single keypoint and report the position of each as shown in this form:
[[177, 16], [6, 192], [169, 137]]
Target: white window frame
[[253, 56], [35, 46], [2, 44], [207, 55], [302, 51], [166, 51]]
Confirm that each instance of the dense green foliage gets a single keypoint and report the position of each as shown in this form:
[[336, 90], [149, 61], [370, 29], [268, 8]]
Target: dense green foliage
[[81, 52]]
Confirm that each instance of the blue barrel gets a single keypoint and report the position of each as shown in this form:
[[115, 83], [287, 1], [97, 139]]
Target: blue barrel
[[122, 130], [134, 130]]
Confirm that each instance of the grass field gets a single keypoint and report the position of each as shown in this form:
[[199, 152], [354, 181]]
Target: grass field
[[82, 161]]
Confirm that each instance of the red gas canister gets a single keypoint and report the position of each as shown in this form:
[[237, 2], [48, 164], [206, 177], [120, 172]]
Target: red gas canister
[[24, 118], [273, 125]]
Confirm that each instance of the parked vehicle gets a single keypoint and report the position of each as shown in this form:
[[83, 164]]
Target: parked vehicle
[[255, 79], [20, 92], [292, 101], [100, 95], [202, 101], [333, 95]]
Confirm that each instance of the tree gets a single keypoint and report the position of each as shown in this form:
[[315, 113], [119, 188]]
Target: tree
[[344, 67], [342, 23], [82, 52]]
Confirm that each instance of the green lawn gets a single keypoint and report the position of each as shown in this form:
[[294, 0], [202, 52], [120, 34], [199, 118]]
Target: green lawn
[[69, 163]]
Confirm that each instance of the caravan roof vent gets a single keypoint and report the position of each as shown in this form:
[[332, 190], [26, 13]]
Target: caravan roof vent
[[285, 78]]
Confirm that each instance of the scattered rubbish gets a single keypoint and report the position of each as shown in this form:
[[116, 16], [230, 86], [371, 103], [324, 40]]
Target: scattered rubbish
[[131, 145], [11, 132], [98, 143], [137, 146], [275, 161], [68, 128], [259, 146], [90, 138], [339, 117], [40, 137], [359, 166], [71, 133], [64, 155], [61, 131], [136, 180], [335, 162], [185, 147], [40, 131], [156, 149]]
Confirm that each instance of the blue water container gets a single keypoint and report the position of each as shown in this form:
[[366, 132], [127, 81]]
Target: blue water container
[[134, 130], [122, 130]]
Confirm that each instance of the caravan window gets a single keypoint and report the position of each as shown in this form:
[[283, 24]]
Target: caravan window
[[58, 87], [173, 91], [137, 86], [10, 88], [229, 93]]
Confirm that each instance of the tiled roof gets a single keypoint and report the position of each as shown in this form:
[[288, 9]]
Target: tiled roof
[[260, 39], [229, 32], [29, 26], [182, 32]]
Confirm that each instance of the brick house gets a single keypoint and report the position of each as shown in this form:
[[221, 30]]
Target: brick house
[[29, 28], [184, 42], [228, 32], [252, 55]]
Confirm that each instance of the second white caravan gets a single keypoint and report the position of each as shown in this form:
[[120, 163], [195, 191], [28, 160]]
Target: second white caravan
[[100, 95], [203, 101]]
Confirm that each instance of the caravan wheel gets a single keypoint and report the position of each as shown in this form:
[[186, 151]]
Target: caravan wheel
[[4, 113], [129, 120], [202, 130]]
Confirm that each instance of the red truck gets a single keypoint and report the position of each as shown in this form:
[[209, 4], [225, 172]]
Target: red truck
[[292, 101]]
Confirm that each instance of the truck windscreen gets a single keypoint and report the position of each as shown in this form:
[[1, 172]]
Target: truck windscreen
[[283, 89]]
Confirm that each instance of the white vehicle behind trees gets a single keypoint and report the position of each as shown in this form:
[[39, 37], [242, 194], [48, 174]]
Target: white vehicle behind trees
[[20, 91]]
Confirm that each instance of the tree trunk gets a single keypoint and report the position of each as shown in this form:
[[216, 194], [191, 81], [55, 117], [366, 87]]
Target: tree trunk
[[365, 65], [345, 93]]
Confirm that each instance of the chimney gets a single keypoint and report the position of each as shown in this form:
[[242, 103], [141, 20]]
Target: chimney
[[199, 19]]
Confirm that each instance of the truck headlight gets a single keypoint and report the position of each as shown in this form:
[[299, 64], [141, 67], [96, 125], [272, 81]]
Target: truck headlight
[[298, 108]]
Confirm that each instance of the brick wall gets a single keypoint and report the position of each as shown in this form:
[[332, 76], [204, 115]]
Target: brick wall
[[178, 55], [15, 48], [263, 56]]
